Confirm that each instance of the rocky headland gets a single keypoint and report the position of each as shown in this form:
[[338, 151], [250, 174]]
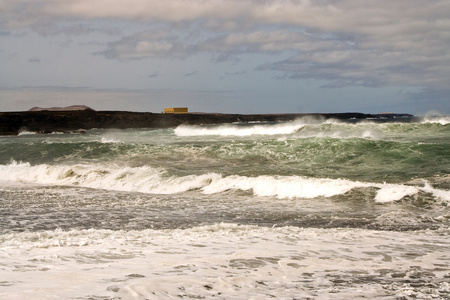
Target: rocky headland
[[84, 118], [67, 108]]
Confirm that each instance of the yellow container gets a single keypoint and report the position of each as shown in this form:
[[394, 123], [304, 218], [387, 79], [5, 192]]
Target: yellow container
[[176, 110]]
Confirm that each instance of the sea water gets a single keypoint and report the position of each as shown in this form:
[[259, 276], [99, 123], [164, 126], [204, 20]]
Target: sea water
[[309, 209]]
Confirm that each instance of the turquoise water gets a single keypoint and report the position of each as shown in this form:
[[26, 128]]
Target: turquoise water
[[369, 152]]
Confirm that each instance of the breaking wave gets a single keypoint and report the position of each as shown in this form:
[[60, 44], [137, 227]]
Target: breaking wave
[[241, 129], [156, 181], [443, 120]]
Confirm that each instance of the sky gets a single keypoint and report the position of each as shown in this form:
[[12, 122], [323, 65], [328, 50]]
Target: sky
[[227, 56]]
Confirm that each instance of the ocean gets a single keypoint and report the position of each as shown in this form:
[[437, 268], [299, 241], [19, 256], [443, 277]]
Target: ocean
[[308, 209]]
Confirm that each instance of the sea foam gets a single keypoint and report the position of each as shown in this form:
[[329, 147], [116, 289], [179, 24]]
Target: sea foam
[[301, 128], [443, 120], [223, 261], [156, 181], [241, 130]]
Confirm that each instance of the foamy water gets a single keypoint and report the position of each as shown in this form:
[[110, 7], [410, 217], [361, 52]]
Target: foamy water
[[150, 180], [297, 210], [225, 261], [442, 120], [240, 130]]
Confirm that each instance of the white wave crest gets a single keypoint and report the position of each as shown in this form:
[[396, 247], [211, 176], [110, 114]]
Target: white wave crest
[[282, 186], [138, 179], [150, 180], [25, 132], [301, 128], [443, 120], [108, 140], [241, 130]]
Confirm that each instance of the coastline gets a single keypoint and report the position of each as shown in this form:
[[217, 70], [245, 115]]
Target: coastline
[[47, 121]]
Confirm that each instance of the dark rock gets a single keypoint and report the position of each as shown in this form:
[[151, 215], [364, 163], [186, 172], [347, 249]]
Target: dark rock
[[11, 123], [72, 107]]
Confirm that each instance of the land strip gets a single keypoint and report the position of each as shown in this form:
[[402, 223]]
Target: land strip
[[12, 123]]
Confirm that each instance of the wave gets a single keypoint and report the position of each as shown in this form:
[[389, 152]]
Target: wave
[[109, 140], [25, 132], [91, 237], [156, 181], [134, 179], [301, 128], [442, 120], [241, 129]]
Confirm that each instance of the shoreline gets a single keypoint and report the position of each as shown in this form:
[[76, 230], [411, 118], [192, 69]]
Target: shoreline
[[48, 121]]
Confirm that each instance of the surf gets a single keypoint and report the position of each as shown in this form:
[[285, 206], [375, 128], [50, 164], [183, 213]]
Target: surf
[[241, 130], [146, 179]]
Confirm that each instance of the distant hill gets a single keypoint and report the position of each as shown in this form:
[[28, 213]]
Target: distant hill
[[68, 108]]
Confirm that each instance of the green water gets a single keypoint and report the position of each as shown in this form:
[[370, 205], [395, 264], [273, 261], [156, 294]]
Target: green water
[[366, 152]]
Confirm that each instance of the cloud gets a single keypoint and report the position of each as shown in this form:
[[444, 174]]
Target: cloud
[[342, 42], [154, 75], [34, 60], [333, 15], [190, 74], [148, 44], [50, 28], [235, 73]]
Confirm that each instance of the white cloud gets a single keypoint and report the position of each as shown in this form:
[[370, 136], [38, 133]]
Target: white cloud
[[347, 42], [148, 44], [369, 17]]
